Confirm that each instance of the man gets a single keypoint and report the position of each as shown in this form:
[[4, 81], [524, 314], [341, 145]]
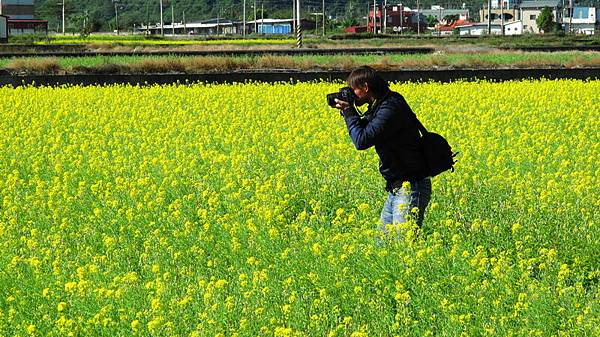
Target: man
[[390, 125]]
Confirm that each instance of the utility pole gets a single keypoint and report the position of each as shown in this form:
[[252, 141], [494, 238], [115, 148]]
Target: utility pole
[[401, 18], [293, 15], [147, 18], [63, 11], [184, 27], [489, 13], [385, 16], [162, 22], [418, 19], [173, 18], [440, 22], [323, 18], [244, 19], [501, 17], [374, 17], [298, 26], [570, 16], [262, 17], [116, 3], [254, 16]]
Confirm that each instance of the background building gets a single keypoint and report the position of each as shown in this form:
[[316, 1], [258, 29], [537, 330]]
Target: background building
[[399, 18], [583, 21], [228, 27], [439, 13], [3, 29], [21, 20], [530, 10], [18, 9]]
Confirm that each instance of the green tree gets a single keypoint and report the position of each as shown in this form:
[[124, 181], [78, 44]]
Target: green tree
[[431, 20], [545, 21]]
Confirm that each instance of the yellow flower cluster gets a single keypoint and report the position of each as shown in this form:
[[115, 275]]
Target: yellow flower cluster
[[244, 210]]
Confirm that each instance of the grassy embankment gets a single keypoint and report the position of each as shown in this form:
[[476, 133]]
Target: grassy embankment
[[184, 64]]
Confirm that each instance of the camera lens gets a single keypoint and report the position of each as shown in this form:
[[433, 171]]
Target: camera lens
[[331, 99]]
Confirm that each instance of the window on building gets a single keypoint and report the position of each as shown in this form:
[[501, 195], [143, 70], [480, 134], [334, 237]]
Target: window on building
[[580, 13], [532, 17]]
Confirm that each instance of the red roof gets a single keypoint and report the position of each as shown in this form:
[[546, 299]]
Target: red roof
[[452, 25]]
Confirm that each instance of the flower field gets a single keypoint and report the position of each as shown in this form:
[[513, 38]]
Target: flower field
[[244, 210]]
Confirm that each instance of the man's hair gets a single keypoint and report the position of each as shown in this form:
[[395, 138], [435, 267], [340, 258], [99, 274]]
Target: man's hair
[[365, 74]]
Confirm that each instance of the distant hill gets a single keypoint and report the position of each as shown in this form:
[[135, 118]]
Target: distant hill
[[100, 14]]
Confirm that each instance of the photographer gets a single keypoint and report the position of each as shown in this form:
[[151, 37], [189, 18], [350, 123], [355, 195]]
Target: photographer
[[390, 125]]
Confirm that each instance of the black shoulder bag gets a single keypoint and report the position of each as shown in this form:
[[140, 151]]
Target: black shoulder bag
[[436, 150]]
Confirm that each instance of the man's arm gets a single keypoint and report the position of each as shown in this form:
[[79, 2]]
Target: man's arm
[[364, 135]]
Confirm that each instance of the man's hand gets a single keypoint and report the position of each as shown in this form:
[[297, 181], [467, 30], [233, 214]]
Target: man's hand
[[341, 104]]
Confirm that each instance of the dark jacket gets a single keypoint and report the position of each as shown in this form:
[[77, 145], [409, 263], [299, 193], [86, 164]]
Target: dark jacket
[[389, 125]]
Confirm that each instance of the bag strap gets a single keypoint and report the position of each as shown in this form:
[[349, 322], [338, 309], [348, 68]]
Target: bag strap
[[420, 125]]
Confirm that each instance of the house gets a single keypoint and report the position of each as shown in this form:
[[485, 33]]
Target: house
[[530, 10], [21, 20], [445, 28], [583, 21], [228, 27], [513, 28], [271, 26], [277, 26], [509, 14], [208, 27], [481, 28], [439, 13], [17, 9], [399, 18], [3, 29]]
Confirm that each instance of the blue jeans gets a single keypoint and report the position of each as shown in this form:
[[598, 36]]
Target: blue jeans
[[409, 200]]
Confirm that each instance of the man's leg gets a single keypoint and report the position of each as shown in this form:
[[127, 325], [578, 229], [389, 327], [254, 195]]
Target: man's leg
[[416, 197], [421, 194], [386, 214]]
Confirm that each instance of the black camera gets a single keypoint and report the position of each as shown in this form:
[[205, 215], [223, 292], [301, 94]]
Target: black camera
[[345, 94]]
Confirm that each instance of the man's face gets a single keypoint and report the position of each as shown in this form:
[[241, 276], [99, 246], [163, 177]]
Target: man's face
[[363, 94]]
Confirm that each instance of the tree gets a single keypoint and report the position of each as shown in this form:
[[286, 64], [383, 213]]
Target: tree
[[545, 21], [431, 21], [451, 18]]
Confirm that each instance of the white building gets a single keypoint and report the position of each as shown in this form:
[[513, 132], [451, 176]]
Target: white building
[[513, 28], [481, 28], [530, 11], [3, 29], [583, 21]]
